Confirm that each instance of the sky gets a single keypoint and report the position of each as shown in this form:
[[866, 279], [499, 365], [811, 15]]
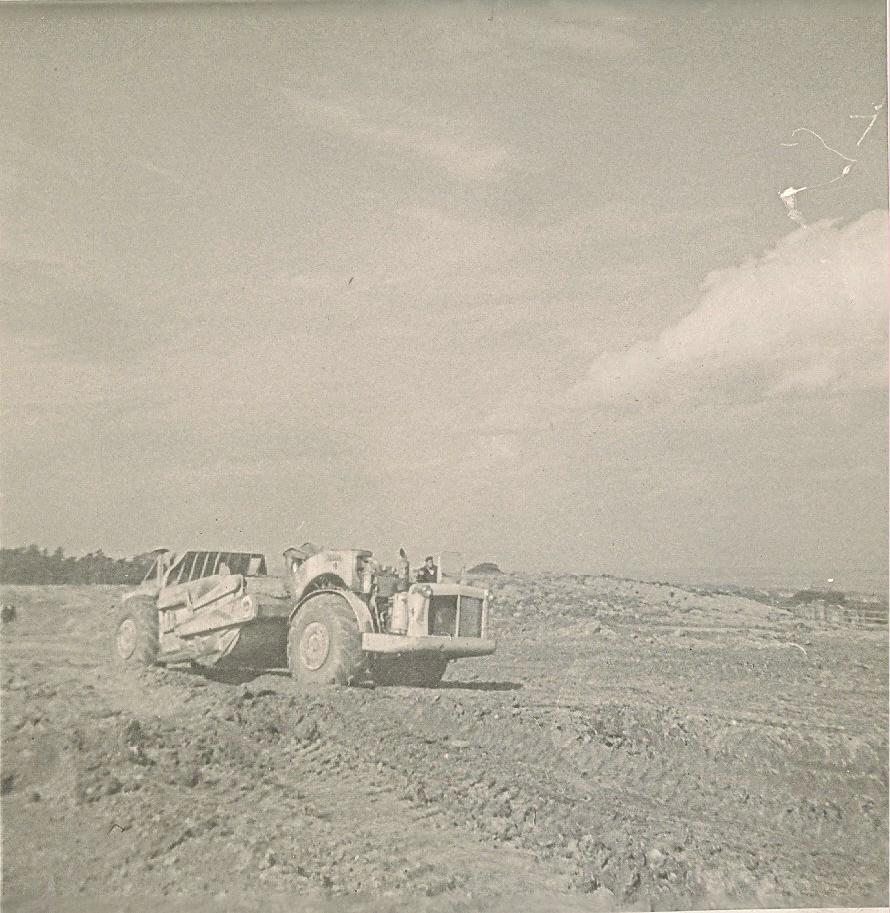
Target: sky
[[509, 278]]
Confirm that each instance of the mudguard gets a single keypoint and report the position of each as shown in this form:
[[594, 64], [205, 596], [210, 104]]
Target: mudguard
[[360, 610]]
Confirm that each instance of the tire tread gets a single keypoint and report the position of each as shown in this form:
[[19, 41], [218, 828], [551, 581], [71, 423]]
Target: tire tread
[[346, 641], [144, 613]]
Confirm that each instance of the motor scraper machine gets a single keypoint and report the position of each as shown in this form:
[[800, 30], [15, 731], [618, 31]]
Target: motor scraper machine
[[334, 616]]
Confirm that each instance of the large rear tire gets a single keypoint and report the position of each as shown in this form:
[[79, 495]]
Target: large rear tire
[[324, 643], [420, 671], [135, 640]]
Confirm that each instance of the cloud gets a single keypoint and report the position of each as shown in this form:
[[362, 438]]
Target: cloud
[[604, 30], [811, 313], [440, 143], [808, 316], [59, 310], [616, 221], [168, 174], [602, 41]]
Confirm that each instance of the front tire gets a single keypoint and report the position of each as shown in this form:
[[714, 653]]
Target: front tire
[[412, 671], [135, 640], [324, 643]]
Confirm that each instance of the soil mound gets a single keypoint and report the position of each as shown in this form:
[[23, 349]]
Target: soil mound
[[486, 567]]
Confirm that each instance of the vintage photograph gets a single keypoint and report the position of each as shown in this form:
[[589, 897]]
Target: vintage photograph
[[444, 456]]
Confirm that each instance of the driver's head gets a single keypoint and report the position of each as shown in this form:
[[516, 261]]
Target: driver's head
[[429, 560]]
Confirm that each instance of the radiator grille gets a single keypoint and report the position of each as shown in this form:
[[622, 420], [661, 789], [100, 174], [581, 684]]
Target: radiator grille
[[470, 617], [443, 615]]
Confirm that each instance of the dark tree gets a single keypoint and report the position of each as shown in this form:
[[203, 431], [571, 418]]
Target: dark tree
[[34, 565]]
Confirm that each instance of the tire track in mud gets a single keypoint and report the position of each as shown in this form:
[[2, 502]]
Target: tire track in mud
[[260, 781], [389, 757], [714, 768], [709, 779], [629, 771], [525, 804]]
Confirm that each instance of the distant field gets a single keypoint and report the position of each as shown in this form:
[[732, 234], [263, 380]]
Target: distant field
[[856, 581]]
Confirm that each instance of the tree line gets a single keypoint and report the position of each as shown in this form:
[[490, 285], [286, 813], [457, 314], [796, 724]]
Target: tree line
[[32, 564]]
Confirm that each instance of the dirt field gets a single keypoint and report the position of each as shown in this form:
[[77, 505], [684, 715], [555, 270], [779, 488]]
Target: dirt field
[[630, 746]]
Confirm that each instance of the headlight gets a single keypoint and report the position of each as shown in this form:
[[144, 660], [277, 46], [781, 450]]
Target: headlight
[[426, 591]]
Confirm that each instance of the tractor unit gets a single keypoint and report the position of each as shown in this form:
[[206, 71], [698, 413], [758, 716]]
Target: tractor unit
[[334, 616]]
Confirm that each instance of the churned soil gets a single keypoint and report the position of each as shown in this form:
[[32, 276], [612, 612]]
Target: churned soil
[[629, 746]]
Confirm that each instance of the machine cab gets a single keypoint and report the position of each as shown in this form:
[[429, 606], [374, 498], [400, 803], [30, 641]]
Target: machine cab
[[450, 567]]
